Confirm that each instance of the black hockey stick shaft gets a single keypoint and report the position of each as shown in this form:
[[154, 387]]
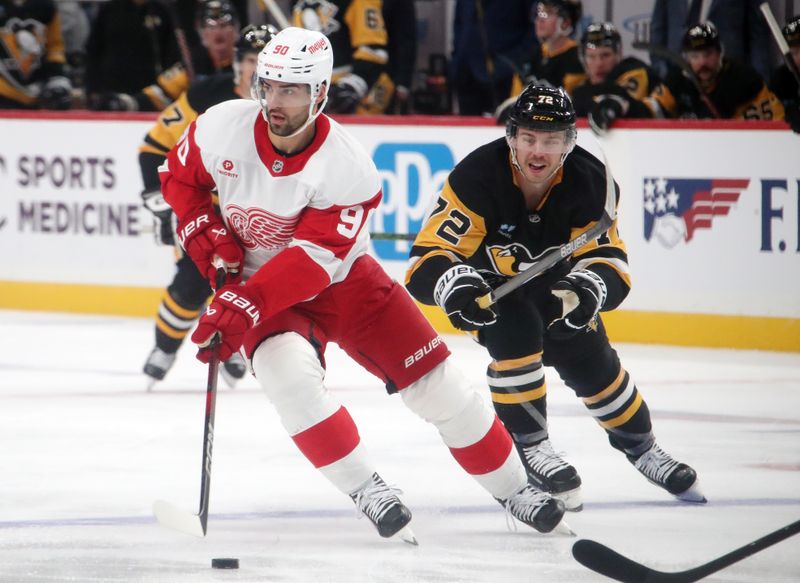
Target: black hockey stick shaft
[[550, 257], [679, 61], [603, 560], [777, 35], [211, 407]]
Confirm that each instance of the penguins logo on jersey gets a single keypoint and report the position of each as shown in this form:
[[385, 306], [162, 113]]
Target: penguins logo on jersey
[[22, 42], [319, 15], [509, 259]]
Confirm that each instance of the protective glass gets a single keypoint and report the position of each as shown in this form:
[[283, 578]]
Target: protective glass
[[272, 94], [541, 142]]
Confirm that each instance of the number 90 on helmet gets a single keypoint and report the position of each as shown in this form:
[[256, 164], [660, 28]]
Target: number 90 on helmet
[[543, 108], [296, 56]]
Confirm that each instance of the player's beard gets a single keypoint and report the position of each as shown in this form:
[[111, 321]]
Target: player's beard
[[286, 124]]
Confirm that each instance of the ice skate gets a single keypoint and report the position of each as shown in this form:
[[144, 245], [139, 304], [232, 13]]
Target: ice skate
[[157, 365], [233, 369], [549, 472], [379, 502], [676, 478], [537, 509]]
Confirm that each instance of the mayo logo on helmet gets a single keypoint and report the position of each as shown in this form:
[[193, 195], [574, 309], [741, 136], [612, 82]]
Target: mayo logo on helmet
[[412, 176], [509, 259]]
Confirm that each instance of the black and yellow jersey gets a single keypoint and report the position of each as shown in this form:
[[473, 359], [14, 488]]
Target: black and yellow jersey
[[739, 92], [356, 30], [31, 49], [176, 118], [175, 80], [630, 78], [560, 68], [481, 218]]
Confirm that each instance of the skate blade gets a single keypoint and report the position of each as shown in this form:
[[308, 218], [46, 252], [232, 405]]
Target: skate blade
[[563, 528], [407, 536], [150, 383], [693, 494]]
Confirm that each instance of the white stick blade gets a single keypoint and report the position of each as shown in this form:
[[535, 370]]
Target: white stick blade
[[173, 517]]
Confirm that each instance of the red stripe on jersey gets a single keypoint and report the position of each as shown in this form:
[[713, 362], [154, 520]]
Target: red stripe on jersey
[[279, 165], [487, 454], [186, 185], [330, 440], [335, 228]]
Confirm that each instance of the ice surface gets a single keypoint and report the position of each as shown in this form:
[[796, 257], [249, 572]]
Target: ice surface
[[86, 451]]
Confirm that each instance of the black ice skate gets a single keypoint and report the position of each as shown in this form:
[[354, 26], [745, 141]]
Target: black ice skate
[[233, 369], [676, 478], [549, 472], [379, 502], [157, 365], [537, 509]]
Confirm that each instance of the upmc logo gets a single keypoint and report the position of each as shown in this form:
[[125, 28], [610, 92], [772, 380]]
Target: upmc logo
[[412, 175]]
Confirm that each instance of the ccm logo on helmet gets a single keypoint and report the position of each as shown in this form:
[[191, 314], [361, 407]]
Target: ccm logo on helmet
[[542, 117], [242, 303]]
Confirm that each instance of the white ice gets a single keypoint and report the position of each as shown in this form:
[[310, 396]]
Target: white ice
[[85, 452]]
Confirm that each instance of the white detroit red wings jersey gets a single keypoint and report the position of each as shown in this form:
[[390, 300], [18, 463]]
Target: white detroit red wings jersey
[[316, 201]]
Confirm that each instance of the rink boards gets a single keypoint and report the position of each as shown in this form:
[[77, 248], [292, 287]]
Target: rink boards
[[709, 214]]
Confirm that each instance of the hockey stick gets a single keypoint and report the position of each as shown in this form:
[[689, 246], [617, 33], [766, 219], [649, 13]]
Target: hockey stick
[[553, 255], [180, 38], [781, 42], [275, 11], [680, 62], [603, 560], [168, 514]]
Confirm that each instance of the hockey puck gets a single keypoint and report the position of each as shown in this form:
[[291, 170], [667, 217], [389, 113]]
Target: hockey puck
[[225, 563]]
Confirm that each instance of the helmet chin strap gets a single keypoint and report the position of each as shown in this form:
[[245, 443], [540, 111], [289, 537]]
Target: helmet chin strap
[[311, 115]]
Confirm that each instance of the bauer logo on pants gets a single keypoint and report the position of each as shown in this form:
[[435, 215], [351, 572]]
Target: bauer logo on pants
[[676, 208]]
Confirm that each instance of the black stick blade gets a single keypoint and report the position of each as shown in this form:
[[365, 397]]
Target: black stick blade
[[608, 562]]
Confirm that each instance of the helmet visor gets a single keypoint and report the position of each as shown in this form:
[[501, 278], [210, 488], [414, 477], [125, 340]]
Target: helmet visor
[[276, 94], [543, 142]]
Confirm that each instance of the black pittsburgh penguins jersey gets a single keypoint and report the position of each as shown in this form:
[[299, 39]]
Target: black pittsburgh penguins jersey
[[560, 69], [481, 219], [176, 118], [356, 31], [631, 79], [739, 92], [31, 49]]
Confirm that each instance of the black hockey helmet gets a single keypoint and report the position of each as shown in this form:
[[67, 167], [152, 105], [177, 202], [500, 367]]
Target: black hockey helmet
[[253, 38], [216, 13], [541, 107], [791, 32], [700, 36], [572, 9], [601, 34]]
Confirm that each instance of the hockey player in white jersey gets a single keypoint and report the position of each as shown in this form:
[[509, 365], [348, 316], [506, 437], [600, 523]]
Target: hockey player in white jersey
[[295, 190]]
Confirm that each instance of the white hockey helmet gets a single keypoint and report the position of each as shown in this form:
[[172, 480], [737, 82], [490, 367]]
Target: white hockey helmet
[[296, 55]]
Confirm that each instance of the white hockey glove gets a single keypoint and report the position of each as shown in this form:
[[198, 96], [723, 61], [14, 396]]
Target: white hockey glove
[[456, 293], [164, 221], [582, 294]]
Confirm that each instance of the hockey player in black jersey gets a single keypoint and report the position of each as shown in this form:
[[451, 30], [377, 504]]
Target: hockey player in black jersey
[[614, 85], [217, 25], [721, 88], [783, 82], [500, 208], [555, 60], [186, 295]]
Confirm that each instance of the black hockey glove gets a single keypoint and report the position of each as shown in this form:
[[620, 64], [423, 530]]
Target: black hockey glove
[[604, 111], [582, 294], [164, 224], [346, 94], [113, 102], [56, 93], [456, 293]]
